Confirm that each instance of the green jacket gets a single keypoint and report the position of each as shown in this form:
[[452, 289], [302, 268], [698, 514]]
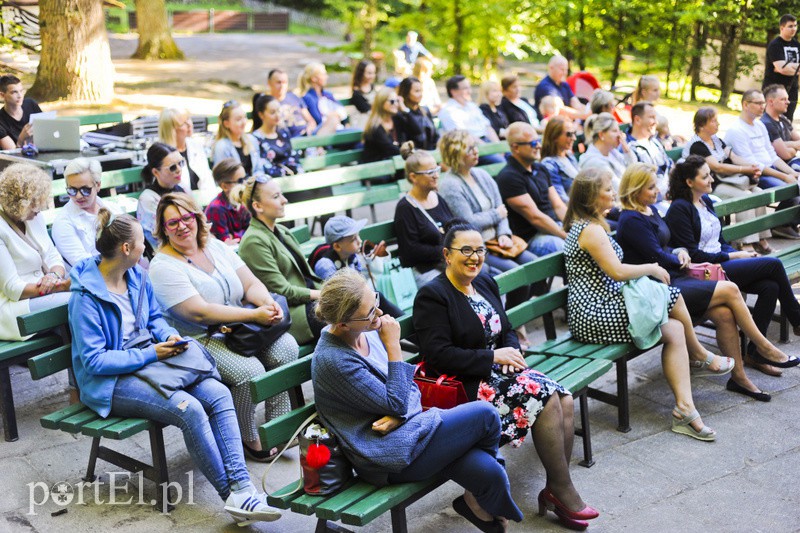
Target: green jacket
[[275, 266]]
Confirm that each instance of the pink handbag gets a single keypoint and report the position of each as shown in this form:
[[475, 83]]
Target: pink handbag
[[706, 272]]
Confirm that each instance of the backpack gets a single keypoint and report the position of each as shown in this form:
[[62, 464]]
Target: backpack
[[318, 253]]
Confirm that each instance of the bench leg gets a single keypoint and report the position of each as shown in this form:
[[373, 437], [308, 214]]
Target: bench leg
[[585, 432], [7, 405], [160, 469], [93, 454], [324, 526], [784, 327], [399, 524], [623, 409]]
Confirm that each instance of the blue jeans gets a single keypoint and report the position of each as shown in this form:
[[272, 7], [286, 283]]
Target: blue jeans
[[464, 448], [517, 296], [543, 244], [204, 413]]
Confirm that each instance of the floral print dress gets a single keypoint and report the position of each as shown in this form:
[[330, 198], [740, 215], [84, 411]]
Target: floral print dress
[[518, 397]]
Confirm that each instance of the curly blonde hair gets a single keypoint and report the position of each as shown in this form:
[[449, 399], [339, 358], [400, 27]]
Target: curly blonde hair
[[24, 188], [453, 146]]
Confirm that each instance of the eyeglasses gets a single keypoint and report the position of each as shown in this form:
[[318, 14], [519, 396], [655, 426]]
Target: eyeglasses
[[570, 134], [468, 251], [472, 149], [85, 191], [371, 316], [758, 102], [259, 178], [175, 167], [230, 103], [239, 181], [536, 143], [431, 172], [188, 220]]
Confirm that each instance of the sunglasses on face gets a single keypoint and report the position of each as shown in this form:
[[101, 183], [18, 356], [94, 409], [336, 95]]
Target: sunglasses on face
[[175, 167], [371, 316], [188, 219], [536, 143], [230, 103], [570, 134], [239, 181], [432, 172], [468, 251], [393, 101], [85, 191]]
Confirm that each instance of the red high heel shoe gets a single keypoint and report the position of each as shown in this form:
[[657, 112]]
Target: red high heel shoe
[[547, 500]]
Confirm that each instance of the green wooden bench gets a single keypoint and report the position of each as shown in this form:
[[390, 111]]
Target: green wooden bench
[[79, 419], [98, 119]]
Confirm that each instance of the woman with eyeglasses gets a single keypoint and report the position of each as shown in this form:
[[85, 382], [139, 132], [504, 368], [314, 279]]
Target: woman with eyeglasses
[[420, 216], [201, 282], [557, 141], [228, 220], [162, 175], [273, 254], [380, 134], [366, 395], [73, 229], [175, 128], [414, 122], [32, 274], [604, 137], [234, 141], [464, 332]]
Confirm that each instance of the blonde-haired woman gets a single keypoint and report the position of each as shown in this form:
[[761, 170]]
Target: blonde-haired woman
[[380, 133], [423, 71], [324, 108], [175, 129], [647, 90], [489, 97], [233, 141], [596, 307], [32, 274], [604, 136]]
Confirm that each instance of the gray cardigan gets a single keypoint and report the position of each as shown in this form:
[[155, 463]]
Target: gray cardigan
[[464, 204], [351, 393]]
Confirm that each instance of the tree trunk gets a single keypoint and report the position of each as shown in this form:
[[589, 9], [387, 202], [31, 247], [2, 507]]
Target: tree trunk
[[731, 38], [700, 37], [581, 51], [369, 23], [155, 38], [75, 62], [458, 38], [620, 48]]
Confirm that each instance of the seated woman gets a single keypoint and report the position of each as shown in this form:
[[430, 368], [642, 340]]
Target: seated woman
[[490, 97], [74, 226], [644, 236], [596, 308], [228, 221], [463, 331], [201, 282], [274, 143], [420, 216], [273, 254], [604, 136], [233, 141], [363, 86], [694, 225], [557, 156], [175, 128], [380, 134], [161, 175], [32, 275], [324, 108], [515, 107], [414, 122], [734, 176], [472, 195], [103, 318], [366, 395], [647, 90], [423, 71]]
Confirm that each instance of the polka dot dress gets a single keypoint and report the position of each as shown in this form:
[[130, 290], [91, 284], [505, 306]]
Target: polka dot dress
[[596, 307]]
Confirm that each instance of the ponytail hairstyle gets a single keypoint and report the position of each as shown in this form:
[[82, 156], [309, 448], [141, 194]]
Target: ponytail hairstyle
[[248, 192], [113, 231], [156, 154]]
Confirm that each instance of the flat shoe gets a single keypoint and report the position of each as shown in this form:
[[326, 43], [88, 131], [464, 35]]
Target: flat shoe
[[789, 363], [764, 369], [683, 426], [763, 250], [756, 395], [487, 526], [701, 368]]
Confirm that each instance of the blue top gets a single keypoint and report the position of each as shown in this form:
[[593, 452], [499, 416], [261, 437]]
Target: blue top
[[311, 98], [549, 87], [352, 392], [644, 239], [96, 326], [224, 149], [684, 224]]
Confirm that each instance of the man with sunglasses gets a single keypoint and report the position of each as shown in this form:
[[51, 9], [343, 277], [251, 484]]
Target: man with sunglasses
[[535, 210], [74, 229]]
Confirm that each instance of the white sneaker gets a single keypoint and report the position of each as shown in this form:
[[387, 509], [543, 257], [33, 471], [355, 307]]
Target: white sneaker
[[249, 507]]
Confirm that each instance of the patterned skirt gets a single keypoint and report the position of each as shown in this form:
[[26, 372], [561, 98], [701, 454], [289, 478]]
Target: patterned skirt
[[519, 398]]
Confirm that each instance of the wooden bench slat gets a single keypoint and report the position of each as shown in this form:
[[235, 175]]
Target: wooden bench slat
[[51, 420], [584, 376], [764, 222], [760, 199], [545, 267], [326, 206], [335, 176], [50, 363], [305, 504], [348, 137], [369, 508], [95, 428], [319, 162], [280, 379], [279, 430], [332, 507], [43, 320], [11, 349], [126, 428], [524, 313], [74, 423]]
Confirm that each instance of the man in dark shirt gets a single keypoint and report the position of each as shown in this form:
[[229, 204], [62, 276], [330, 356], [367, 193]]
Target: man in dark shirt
[[15, 114], [782, 134], [535, 210], [783, 61], [555, 84]]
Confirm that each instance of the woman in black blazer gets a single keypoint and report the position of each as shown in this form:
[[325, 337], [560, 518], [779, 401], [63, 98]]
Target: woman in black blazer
[[694, 225], [463, 331], [515, 107]]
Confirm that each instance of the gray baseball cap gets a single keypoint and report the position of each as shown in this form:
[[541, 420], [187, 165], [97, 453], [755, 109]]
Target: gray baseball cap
[[340, 227]]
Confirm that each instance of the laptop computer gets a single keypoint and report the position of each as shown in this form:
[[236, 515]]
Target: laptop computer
[[57, 134]]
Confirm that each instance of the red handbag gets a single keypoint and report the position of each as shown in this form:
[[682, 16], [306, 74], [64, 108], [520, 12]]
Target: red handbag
[[444, 391], [706, 272]]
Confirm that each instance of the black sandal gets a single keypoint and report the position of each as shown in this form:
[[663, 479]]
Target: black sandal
[[261, 456], [487, 526]]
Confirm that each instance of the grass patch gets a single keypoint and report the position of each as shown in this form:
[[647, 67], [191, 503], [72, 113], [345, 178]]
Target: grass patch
[[295, 28]]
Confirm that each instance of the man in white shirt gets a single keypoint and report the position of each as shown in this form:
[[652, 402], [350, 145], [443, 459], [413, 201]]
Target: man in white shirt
[[748, 137], [643, 142]]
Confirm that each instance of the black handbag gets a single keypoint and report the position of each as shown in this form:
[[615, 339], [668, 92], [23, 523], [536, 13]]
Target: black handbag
[[249, 338]]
